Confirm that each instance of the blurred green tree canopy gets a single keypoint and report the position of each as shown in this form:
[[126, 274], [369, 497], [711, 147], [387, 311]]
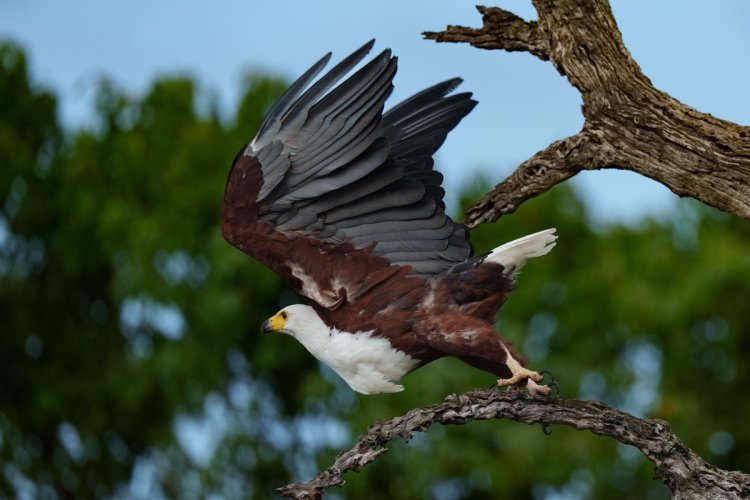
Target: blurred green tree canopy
[[131, 366]]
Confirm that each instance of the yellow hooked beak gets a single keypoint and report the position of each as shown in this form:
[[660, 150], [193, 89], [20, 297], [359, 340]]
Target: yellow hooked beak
[[275, 323]]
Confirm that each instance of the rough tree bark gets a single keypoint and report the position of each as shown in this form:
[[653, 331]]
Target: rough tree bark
[[628, 124], [685, 473]]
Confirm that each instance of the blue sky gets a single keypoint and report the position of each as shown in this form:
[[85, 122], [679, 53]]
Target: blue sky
[[696, 50]]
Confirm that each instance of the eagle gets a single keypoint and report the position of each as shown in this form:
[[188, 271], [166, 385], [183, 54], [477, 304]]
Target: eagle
[[341, 200]]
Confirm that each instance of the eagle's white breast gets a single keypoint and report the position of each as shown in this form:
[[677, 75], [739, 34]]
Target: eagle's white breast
[[368, 363]]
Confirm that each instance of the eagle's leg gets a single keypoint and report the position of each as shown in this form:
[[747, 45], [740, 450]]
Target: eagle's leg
[[521, 374]]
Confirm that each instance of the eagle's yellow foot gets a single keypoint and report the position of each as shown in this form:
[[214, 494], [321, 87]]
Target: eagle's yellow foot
[[521, 374], [535, 388]]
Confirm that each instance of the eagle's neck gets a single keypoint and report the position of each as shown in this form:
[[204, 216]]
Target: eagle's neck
[[315, 340], [313, 333]]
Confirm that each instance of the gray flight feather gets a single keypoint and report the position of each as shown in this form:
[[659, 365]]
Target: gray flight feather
[[335, 167]]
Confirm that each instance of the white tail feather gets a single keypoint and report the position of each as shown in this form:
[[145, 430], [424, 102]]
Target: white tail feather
[[514, 254]]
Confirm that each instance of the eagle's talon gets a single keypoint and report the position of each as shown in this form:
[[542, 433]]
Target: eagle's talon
[[555, 389], [519, 374], [536, 389], [553, 384], [532, 381], [551, 376]]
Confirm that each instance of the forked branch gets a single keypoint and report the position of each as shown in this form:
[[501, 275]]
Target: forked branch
[[628, 124]]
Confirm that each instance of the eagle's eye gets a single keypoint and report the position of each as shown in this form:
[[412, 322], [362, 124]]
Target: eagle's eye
[[283, 315]]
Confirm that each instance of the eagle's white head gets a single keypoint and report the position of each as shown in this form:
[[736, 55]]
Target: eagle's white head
[[367, 363], [301, 322]]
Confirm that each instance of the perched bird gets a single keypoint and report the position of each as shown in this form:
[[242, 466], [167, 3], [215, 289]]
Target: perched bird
[[342, 201]]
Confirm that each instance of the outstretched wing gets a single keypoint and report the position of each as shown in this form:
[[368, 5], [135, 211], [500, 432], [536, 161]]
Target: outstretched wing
[[339, 198]]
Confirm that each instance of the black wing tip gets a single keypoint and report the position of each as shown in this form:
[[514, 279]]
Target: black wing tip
[[359, 54], [469, 100], [323, 61], [367, 47], [385, 56], [450, 85]]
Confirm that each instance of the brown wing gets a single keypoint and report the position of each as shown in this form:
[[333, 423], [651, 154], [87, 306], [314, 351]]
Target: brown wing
[[340, 199]]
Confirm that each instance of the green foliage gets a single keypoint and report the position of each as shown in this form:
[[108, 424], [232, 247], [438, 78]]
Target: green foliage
[[131, 364]]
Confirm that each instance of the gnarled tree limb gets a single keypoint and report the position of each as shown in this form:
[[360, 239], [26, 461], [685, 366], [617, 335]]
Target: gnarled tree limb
[[628, 124], [684, 472]]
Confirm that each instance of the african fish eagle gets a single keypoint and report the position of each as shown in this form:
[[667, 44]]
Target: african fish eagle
[[342, 201]]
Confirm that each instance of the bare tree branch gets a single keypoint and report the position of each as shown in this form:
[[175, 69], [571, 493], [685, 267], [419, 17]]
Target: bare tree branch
[[636, 126], [502, 30], [536, 175], [684, 472]]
